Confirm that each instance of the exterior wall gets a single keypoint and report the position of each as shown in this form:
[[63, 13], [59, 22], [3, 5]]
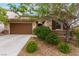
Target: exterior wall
[[48, 23], [7, 27], [33, 25]]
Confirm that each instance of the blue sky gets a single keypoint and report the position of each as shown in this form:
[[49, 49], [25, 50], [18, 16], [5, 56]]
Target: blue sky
[[4, 5]]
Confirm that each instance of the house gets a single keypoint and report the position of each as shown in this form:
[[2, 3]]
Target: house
[[23, 26]]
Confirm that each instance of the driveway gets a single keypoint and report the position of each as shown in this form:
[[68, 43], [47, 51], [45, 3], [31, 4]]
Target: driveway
[[11, 45]]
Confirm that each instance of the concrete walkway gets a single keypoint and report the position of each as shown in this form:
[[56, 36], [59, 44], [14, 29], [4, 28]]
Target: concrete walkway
[[11, 45]]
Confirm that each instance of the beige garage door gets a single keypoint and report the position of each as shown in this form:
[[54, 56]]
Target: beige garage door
[[20, 28]]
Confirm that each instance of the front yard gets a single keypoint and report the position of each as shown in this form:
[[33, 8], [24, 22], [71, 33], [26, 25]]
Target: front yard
[[45, 49]]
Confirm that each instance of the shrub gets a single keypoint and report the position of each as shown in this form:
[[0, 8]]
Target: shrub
[[52, 38], [42, 31], [31, 47], [64, 47], [76, 29], [76, 33], [77, 36]]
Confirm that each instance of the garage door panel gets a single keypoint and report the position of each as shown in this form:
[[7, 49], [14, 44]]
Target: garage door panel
[[21, 28]]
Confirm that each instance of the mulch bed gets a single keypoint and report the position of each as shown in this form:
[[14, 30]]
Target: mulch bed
[[45, 49]]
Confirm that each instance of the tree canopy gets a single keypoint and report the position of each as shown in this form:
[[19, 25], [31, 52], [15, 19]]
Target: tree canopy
[[3, 16], [59, 10]]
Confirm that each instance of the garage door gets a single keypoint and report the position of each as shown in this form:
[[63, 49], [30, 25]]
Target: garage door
[[20, 28]]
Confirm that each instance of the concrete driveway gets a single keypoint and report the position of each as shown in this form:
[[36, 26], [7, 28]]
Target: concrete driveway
[[11, 45]]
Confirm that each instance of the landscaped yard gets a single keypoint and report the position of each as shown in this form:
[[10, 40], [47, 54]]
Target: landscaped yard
[[45, 49]]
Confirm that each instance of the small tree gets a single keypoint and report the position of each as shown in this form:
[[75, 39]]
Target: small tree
[[20, 9], [42, 12], [3, 17], [62, 12], [65, 13]]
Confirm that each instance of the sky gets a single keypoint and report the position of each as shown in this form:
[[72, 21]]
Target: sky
[[4, 5]]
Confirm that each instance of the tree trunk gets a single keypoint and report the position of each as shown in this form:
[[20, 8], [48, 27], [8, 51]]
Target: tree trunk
[[67, 28], [67, 35]]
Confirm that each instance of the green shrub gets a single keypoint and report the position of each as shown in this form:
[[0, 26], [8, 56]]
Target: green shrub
[[76, 29], [31, 47], [76, 33], [77, 36], [42, 31], [52, 38], [64, 47]]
